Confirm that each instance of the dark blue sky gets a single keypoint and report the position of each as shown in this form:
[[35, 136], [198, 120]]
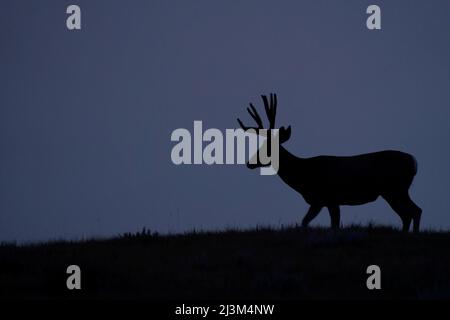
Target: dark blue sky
[[86, 116]]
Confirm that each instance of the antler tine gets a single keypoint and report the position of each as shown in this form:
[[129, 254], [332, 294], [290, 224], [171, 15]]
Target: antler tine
[[270, 110], [274, 107], [255, 116], [244, 127], [266, 106], [252, 111]]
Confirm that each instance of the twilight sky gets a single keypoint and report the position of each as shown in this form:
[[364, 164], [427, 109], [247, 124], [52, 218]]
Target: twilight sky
[[86, 116]]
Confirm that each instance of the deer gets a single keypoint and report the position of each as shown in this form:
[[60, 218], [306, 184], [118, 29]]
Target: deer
[[334, 181]]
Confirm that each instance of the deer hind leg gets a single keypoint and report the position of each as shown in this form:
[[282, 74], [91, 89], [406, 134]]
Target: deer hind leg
[[417, 213], [406, 209], [335, 216], [312, 213]]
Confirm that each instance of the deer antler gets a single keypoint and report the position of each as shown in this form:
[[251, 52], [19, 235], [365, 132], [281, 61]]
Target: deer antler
[[271, 110], [252, 111]]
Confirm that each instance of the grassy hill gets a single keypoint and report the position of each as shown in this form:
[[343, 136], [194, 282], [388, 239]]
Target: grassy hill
[[289, 263]]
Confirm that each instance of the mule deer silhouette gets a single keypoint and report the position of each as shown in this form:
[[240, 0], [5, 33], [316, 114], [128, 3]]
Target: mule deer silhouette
[[332, 181]]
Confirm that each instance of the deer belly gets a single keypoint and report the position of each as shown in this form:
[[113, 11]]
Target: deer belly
[[341, 196], [355, 200], [355, 194]]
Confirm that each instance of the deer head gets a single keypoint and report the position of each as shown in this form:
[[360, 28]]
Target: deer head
[[271, 110]]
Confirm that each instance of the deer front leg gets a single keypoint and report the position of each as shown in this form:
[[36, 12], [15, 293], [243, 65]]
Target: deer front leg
[[335, 216], [312, 213]]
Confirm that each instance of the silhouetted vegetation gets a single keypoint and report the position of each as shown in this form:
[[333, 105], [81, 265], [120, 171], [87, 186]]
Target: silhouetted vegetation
[[290, 263]]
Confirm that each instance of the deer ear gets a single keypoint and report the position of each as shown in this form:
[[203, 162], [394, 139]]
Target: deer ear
[[285, 134], [288, 131]]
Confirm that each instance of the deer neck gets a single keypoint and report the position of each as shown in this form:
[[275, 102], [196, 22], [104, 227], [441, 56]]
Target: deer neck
[[290, 166]]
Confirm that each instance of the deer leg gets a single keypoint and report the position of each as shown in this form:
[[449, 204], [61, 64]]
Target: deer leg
[[416, 214], [406, 220], [312, 213], [335, 216], [416, 219], [403, 206]]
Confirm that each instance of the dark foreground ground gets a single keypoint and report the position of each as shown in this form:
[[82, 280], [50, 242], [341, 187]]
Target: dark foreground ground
[[270, 264]]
